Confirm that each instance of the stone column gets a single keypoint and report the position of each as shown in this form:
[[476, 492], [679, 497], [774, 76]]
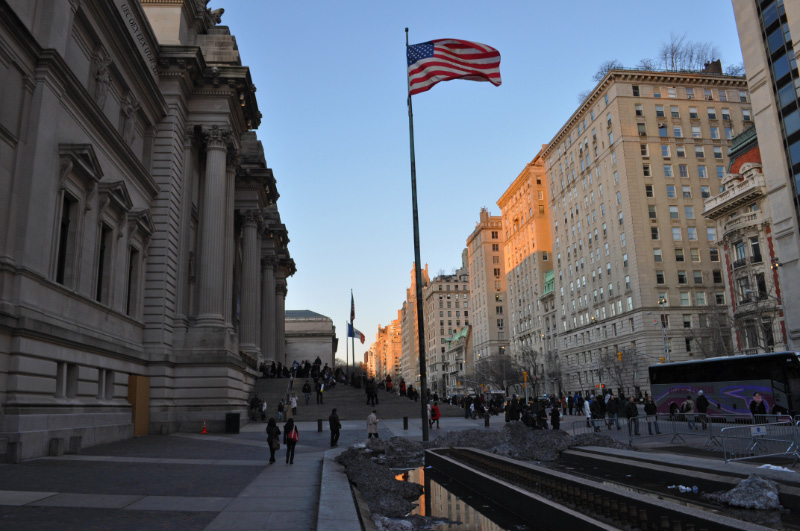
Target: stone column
[[250, 285], [280, 320], [230, 190], [268, 309], [212, 253]]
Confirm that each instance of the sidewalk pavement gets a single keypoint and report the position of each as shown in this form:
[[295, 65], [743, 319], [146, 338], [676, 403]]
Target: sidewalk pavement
[[195, 482]]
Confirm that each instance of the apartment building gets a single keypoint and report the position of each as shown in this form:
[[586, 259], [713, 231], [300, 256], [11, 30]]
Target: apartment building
[[528, 257], [446, 312], [487, 284], [744, 228], [409, 325], [768, 30], [637, 267], [386, 350]]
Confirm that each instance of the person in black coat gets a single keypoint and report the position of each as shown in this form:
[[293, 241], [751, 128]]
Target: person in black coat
[[702, 407], [632, 412], [555, 417], [335, 426], [273, 438], [651, 410], [758, 409]]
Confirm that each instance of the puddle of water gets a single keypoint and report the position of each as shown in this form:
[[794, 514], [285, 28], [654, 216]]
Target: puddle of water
[[448, 499]]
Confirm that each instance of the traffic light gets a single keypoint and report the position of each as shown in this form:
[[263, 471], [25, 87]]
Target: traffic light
[[662, 359], [601, 386], [619, 356], [524, 376]]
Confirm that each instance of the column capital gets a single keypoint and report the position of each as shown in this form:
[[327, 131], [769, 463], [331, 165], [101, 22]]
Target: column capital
[[189, 136], [233, 158], [216, 137], [250, 218], [269, 262]]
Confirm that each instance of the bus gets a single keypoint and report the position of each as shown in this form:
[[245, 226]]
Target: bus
[[729, 383]]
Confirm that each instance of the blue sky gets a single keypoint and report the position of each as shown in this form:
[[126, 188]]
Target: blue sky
[[331, 80]]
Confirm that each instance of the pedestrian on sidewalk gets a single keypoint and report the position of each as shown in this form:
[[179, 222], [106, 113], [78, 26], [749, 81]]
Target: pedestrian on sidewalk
[[702, 407], [263, 409], [273, 438], [758, 409], [688, 407], [335, 426], [555, 417], [631, 411], [435, 415], [372, 425], [318, 387], [293, 403], [290, 438], [280, 410], [651, 411], [307, 391]]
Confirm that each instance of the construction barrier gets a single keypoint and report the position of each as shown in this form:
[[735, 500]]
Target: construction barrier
[[761, 440]]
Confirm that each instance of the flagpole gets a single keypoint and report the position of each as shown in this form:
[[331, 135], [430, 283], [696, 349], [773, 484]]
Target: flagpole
[[423, 372], [353, 326], [347, 348]]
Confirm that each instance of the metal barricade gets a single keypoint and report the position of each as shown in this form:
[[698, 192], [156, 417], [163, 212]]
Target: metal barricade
[[761, 440], [710, 425]]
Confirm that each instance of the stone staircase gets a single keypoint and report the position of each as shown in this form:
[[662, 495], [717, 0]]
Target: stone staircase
[[350, 403]]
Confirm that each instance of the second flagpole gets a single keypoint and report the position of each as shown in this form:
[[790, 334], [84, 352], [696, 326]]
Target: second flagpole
[[423, 373]]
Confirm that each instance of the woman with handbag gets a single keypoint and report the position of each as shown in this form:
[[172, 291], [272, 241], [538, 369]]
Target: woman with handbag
[[273, 438], [290, 438]]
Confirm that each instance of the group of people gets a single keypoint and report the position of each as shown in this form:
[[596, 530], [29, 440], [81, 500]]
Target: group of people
[[608, 409], [298, 369], [290, 437]]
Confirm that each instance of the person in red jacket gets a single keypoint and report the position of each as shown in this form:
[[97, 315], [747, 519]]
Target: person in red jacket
[[435, 415]]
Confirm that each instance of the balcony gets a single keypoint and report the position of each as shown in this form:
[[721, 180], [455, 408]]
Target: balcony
[[734, 196], [751, 219]]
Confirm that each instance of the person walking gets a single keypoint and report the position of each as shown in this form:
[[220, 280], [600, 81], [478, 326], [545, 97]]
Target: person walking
[[435, 415], [335, 425], [293, 403], [570, 403], [596, 410], [587, 410], [555, 417], [263, 408], [273, 438], [280, 410], [307, 391], [702, 407], [318, 387], [372, 424], [612, 410], [631, 411], [651, 411], [290, 438], [688, 408]]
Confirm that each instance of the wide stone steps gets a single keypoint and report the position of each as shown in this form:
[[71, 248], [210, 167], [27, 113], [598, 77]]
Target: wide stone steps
[[350, 403]]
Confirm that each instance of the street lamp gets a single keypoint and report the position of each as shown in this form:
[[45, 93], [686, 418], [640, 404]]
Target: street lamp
[[503, 361], [659, 321]]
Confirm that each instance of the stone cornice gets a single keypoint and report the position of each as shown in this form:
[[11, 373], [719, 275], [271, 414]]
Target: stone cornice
[[54, 64]]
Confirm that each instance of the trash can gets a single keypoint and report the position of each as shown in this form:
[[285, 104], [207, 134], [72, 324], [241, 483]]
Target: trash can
[[232, 422]]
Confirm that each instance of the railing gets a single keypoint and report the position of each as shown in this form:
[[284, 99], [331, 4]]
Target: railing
[[740, 263], [766, 439], [742, 222], [749, 188], [248, 360]]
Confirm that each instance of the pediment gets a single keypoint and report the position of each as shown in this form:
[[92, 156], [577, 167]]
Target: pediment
[[140, 221], [81, 161], [115, 195]]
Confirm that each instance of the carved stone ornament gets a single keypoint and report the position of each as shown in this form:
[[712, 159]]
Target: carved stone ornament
[[102, 79], [64, 167], [216, 15], [129, 124], [233, 157], [216, 136]]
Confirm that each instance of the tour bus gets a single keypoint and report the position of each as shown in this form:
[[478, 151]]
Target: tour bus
[[729, 383]]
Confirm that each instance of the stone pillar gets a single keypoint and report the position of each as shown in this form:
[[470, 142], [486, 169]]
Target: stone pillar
[[250, 285], [268, 309], [230, 186], [212, 253], [280, 320]]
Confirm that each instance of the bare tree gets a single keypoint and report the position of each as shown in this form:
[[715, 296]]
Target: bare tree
[[679, 53], [582, 95], [713, 337], [647, 64], [530, 360], [735, 70], [554, 371], [604, 68], [620, 367], [499, 372]]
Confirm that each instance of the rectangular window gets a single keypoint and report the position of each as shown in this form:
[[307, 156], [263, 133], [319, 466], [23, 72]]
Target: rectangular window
[[635, 90], [698, 277], [702, 173], [648, 190], [668, 170], [643, 150], [665, 150], [696, 131], [653, 233], [712, 113], [638, 108], [715, 133], [743, 94], [688, 210], [657, 256], [711, 232], [672, 93], [680, 151], [651, 211], [131, 299], [695, 255], [683, 171], [690, 93], [660, 111], [686, 299], [693, 112], [676, 234], [662, 130], [717, 152], [746, 115], [671, 190], [726, 114], [699, 152], [679, 255], [673, 110], [642, 129], [705, 192], [692, 232], [65, 257], [660, 277], [103, 279], [713, 254], [700, 298], [682, 278], [646, 170], [677, 131]]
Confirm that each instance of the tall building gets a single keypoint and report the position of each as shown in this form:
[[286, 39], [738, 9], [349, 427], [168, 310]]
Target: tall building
[[143, 261], [409, 326], [446, 312], [487, 285], [767, 34], [528, 258], [744, 229], [637, 268]]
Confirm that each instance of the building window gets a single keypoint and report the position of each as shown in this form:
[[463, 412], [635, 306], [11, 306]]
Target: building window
[[702, 173], [683, 171], [651, 212], [679, 255], [676, 234], [682, 278], [673, 110], [668, 170], [642, 129], [712, 113], [717, 151], [646, 170], [693, 112], [713, 254], [692, 231], [660, 277], [660, 111], [686, 299], [705, 192], [648, 190], [635, 90], [680, 151], [671, 190], [654, 233], [677, 131], [699, 152], [698, 277], [694, 255], [657, 255]]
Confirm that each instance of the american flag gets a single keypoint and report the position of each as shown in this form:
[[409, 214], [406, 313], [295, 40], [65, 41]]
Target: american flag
[[446, 59], [352, 308]]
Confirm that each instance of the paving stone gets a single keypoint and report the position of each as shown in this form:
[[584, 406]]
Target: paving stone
[[12, 497], [180, 503], [95, 501]]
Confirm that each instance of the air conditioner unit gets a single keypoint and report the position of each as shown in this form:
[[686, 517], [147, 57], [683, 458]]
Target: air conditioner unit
[[709, 98], [689, 97], [661, 125]]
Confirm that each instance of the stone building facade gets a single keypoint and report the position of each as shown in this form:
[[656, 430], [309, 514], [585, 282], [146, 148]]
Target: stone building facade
[[446, 304], [769, 34], [528, 258], [744, 229], [409, 327], [387, 350], [310, 335], [637, 267], [143, 262], [487, 284]]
